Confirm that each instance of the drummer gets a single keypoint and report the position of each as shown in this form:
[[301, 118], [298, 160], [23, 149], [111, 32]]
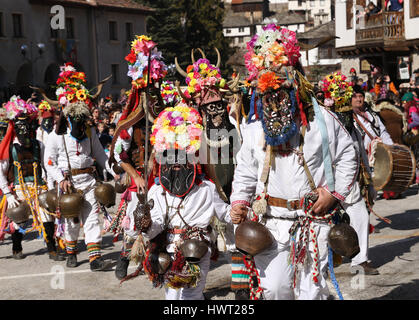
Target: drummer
[[367, 121]]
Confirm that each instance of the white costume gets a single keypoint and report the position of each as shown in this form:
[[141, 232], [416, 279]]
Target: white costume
[[81, 155], [375, 127], [198, 207], [288, 180]]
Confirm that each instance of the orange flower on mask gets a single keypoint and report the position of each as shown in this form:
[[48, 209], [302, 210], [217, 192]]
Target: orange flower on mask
[[268, 80]]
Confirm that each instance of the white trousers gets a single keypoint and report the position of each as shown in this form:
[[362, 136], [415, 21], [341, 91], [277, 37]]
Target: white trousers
[[89, 216], [132, 205], [192, 293], [276, 274], [360, 221]]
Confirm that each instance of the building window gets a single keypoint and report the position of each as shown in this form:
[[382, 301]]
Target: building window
[[113, 34], [349, 14], [241, 39], [300, 3], [17, 25], [115, 73], [1, 25], [414, 8], [128, 31], [311, 3], [228, 31], [69, 26], [322, 3], [241, 29]]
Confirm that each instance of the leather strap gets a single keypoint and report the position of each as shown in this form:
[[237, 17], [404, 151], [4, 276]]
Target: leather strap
[[76, 172], [362, 126], [283, 203]]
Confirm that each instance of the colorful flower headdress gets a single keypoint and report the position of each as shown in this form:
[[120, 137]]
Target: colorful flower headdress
[[268, 52], [169, 93], [18, 108], [71, 86], [3, 117], [337, 91], [141, 48], [203, 74], [178, 127]]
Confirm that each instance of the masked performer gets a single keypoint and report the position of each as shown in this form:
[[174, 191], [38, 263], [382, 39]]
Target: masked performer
[[129, 143], [21, 177], [70, 153], [363, 194], [282, 163], [180, 207]]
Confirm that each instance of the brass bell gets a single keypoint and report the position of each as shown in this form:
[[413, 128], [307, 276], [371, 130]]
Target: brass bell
[[71, 204], [42, 199], [105, 194], [252, 238], [20, 213], [164, 262], [193, 250], [343, 240], [51, 200]]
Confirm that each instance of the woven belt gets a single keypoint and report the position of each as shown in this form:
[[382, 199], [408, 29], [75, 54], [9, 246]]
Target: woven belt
[[291, 205], [176, 230], [76, 172]]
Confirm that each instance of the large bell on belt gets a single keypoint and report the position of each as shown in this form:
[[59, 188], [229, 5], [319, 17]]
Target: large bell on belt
[[193, 250], [71, 204], [343, 240], [160, 262], [42, 199], [20, 213], [105, 194], [252, 238], [51, 200]]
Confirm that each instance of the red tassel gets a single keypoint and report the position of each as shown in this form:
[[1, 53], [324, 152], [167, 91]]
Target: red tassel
[[301, 108]]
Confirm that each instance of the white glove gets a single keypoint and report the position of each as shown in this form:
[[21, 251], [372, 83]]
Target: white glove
[[12, 202]]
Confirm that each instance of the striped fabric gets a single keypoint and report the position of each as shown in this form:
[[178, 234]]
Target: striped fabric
[[239, 272], [71, 247], [93, 249]]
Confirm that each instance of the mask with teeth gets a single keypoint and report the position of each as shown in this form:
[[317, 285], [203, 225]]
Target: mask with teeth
[[217, 124], [177, 175], [277, 109]]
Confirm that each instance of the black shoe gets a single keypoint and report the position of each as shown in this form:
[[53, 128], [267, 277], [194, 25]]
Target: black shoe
[[71, 261], [98, 264], [121, 268], [18, 255], [368, 269], [242, 294], [55, 256]]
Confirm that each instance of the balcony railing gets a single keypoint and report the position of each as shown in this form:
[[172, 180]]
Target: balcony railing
[[385, 26]]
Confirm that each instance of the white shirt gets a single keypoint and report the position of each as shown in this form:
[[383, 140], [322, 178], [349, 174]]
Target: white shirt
[[379, 126], [287, 178], [81, 155], [197, 209]]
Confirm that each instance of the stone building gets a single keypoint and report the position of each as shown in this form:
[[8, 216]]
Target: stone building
[[95, 37]]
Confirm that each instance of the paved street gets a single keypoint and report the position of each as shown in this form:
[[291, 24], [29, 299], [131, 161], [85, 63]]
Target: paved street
[[394, 249]]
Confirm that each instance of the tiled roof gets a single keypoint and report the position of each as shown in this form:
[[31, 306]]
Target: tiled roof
[[288, 18], [323, 30], [120, 4], [246, 1], [232, 20]]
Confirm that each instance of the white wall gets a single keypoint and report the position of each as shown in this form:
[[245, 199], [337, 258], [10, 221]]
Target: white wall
[[346, 37], [411, 25], [234, 32], [313, 58]]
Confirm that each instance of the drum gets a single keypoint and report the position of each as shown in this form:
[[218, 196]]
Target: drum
[[393, 168]]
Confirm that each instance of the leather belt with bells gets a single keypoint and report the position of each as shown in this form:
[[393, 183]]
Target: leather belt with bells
[[291, 205]]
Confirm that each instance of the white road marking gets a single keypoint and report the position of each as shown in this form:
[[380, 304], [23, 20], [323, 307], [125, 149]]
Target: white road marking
[[48, 274]]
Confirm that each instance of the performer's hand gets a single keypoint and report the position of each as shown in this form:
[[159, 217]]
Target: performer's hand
[[324, 202], [238, 213], [65, 186], [12, 202], [140, 183]]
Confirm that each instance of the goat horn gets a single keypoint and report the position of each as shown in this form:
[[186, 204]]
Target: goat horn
[[218, 58], [51, 102], [202, 53], [179, 69], [233, 86], [193, 56], [100, 87], [177, 85]]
